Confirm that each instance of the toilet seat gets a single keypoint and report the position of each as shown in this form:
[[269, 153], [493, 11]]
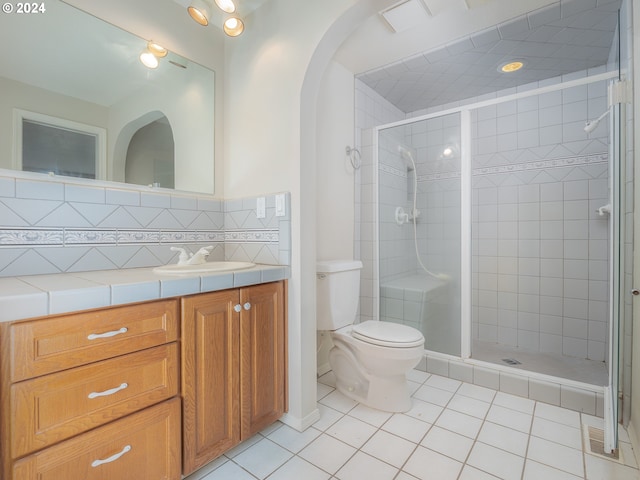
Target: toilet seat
[[386, 334]]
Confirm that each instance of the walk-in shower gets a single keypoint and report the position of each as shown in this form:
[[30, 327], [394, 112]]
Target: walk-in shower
[[498, 214], [537, 185]]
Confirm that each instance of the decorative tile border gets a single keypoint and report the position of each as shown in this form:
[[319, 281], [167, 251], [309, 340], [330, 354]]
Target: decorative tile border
[[10, 237], [252, 236], [438, 176], [34, 237], [544, 164], [509, 168], [392, 170]]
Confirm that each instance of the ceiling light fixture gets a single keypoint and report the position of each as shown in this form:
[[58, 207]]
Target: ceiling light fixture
[[233, 26], [226, 6], [156, 49], [150, 55], [511, 67], [200, 11]]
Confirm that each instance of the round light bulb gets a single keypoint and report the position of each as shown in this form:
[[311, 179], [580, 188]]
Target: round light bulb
[[148, 59], [226, 5], [158, 50], [233, 26], [199, 11]]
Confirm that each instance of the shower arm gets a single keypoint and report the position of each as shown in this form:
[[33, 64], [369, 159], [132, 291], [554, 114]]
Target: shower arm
[[591, 125]]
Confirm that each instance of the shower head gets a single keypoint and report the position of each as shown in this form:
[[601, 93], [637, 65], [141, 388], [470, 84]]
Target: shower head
[[404, 151], [406, 154], [591, 125]]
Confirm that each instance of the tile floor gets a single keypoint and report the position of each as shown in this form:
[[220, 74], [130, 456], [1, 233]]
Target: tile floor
[[455, 431]]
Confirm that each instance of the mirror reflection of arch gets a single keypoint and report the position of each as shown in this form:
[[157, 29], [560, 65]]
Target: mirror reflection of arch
[[150, 155]]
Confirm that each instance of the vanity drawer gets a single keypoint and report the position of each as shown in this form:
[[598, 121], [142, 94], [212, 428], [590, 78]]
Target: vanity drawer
[[58, 406], [43, 346], [144, 445]]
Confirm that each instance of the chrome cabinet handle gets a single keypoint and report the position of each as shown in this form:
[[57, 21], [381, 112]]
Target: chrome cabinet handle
[[247, 306], [112, 458], [237, 308], [94, 336], [106, 393]]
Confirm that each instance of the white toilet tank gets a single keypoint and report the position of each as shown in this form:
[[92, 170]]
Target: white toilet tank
[[338, 293]]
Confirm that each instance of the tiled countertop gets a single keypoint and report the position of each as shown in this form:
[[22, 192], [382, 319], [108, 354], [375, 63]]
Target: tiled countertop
[[39, 295]]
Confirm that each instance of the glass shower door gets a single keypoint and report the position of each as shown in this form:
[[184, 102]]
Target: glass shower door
[[419, 229]]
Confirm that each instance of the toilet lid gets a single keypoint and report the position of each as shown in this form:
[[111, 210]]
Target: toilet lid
[[387, 334]]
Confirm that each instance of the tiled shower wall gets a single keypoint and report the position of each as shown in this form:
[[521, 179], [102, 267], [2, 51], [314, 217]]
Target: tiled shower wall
[[67, 226], [540, 248]]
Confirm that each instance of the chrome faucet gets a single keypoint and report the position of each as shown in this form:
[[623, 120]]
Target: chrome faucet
[[198, 258]]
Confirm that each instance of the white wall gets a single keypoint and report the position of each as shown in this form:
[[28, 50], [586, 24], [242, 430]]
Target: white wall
[[335, 220], [273, 76]]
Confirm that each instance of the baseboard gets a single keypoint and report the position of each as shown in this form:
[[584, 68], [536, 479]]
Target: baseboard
[[324, 368], [301, 424]]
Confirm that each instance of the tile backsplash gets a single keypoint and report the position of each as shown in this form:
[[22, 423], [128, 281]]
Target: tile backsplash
[[54, 226]]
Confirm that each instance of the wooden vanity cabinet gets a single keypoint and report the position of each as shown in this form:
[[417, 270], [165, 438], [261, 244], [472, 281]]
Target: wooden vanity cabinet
[[233, 368], [95, 395]]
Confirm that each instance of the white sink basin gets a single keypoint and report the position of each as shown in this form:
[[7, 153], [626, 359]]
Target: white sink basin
[[208, 267]]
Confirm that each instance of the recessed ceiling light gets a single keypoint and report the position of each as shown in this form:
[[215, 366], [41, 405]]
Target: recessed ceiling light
[[233, 26], [200, 11], [511, 66], [226, 5]]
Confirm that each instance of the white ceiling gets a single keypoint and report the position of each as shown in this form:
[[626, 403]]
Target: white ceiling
[[553, 39], [451, 55]]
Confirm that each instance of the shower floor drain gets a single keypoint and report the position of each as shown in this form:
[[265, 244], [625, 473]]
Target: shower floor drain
[[511, 361]]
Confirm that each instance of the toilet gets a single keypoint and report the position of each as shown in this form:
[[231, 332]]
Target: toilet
[[371, 359]]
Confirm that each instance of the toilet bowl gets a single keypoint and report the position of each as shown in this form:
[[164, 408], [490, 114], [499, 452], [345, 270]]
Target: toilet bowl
[[372, 369], [370, 360]]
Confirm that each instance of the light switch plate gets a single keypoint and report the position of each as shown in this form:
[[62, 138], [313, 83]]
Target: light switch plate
[[281, 209], [261, 207]]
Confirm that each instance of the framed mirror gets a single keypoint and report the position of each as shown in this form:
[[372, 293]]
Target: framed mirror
[[76, 100]]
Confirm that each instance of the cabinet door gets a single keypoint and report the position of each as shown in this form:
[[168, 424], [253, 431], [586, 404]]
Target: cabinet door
[[262, 362], [210, 383]]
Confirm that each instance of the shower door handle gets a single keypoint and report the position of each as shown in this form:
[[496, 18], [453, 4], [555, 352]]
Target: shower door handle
[[635, 291]]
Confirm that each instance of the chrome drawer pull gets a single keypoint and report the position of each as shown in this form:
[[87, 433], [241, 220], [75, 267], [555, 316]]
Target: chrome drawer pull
[[112, 458], [106, 393], [94, 336]]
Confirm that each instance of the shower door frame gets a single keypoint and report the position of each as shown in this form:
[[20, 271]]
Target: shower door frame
[[610, 390]]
